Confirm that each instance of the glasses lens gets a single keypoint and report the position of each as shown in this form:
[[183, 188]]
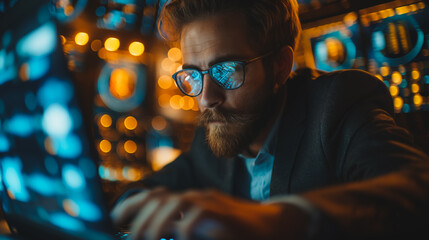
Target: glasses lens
[[190, 82], [229, 75]]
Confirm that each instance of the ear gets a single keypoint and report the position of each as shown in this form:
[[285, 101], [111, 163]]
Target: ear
[[283, 62]]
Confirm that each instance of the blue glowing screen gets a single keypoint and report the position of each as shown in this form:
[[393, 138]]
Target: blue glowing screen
[[47, 171]]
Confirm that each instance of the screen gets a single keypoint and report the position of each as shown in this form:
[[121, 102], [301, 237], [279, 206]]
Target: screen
[[47, 172]]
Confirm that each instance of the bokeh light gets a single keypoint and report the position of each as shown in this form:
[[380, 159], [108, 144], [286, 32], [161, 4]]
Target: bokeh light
[[106, 120], [174, 54], [130, 123], [81, 38], [122, 84], [105, 146], [130, 146], [112, 44], [136, 48]]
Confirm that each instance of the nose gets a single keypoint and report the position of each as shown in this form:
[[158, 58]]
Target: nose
[[212, 95]]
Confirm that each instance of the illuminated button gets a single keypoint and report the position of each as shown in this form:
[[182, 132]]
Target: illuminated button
[[394, 91], [112, 44], [130, 146], [81, 38], [415, 88], [136, 48], [130, 123], [396, 78], [105, 146], [105, 120], [174, 54]]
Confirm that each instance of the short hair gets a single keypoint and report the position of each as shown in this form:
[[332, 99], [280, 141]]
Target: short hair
[[272, 24]]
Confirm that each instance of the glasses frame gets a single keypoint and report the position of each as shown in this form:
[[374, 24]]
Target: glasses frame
[[209, 71]]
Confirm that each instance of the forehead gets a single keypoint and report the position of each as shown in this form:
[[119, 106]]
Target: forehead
[[215, 36]]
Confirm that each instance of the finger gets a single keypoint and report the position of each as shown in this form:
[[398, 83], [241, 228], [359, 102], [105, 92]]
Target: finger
[[145, 214], [186, 226], [162, 223], [127, 209]]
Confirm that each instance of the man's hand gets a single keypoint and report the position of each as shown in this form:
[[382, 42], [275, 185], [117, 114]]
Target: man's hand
[[207, 215]]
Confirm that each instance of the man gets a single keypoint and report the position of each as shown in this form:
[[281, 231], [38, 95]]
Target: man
[[281, 155]]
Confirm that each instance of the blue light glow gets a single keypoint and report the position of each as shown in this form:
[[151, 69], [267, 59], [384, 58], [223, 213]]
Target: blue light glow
[[100, 11], [378, 40], [89, 211], [13, 179], [4, 143], [37, 67], [406, 108], [55, 91], [7, 72], [51, 165], [427, 79], [321, 51], [403, 83], [65, 221], [386, 83], [88, 167], [2, 59], [73, 177], [1, 182], [20, 125], [69, 146], [42, 184], [41, 41], [7, 38], [56, 121]]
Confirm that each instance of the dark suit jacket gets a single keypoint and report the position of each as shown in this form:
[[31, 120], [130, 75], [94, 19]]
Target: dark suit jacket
[[336, 129]]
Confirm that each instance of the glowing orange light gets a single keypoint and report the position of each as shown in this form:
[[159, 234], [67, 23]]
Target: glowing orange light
[[187, 103], [165, 82], [122, 83], [136, 48], [396, 78], [175, 102], [130, 146], [162, 156], [112, 44], [384, 71], [418, 100], [63, 39], [415, 74], [81, 38], [379, 77], [394, 90], [159, 123], [174, 54], [132, 174], [105, 146], [415, 88], [167, 64], [164, 100], [130, 123], [68, 10], [24, 72], [398, 102], [105, 120], [71, 207]]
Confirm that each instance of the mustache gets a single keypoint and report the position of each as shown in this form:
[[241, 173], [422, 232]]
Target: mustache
[[216, 115]]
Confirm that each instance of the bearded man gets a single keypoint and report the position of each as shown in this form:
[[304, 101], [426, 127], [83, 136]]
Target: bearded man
[[279, 154]]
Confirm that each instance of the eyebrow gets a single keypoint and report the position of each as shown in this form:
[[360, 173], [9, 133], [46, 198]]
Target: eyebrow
[[230, 57]]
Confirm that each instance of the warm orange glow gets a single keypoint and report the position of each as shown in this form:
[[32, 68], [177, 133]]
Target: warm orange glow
[[415, 74], [71, 207], [159, 123], [132, 174], [81, 38], [398, 102], [415, 88], [68, 10], [136, 48], [165, 82], [379, 77], [105, 146], [167, 64], [162, 156], [96, 45], [24, 72], [187, 103], [63, 39], [48, 146], [130, 147], [164, 100], [384, 71], [112, 44], [130, 123], [418, 100], [394, 90], [175, 102], [105, 120], [174, 54], [396, 78], [122, 83]]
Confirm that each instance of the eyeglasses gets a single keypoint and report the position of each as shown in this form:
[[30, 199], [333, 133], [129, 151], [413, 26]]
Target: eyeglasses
[[228, 75]]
